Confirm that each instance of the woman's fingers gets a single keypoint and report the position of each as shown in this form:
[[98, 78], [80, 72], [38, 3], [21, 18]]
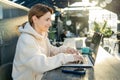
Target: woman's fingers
[[72, 51], [78, 57]]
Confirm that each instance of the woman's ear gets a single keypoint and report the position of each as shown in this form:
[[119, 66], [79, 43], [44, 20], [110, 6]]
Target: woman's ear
[[34, 18]]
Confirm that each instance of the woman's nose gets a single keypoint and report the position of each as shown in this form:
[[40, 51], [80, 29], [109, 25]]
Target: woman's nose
[[50, 24]]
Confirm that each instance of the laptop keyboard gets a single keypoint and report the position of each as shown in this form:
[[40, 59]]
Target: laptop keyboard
[[85, 61]]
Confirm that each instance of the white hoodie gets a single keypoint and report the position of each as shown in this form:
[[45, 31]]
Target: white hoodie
[[35, 55]]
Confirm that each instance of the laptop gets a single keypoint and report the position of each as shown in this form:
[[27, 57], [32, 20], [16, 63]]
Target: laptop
[[90, 59]]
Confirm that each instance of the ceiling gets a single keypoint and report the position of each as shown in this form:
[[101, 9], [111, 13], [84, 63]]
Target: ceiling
[[51, 3], [114, 6]]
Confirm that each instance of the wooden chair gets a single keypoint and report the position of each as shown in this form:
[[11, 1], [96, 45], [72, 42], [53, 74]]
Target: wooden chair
[[5, 71]]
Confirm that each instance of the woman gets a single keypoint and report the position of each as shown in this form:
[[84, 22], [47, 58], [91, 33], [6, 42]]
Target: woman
[[34, 53]]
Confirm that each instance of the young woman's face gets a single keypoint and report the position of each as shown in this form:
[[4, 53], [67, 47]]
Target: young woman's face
[[43, 23]]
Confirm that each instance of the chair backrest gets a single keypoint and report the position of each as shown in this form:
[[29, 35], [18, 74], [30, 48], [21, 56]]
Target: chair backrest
[[5, 71]]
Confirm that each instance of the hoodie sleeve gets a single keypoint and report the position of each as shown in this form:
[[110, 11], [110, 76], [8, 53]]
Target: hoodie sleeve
[[55, 50], [30, 56]]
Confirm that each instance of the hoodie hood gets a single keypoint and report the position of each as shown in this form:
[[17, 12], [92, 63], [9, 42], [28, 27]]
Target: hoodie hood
[[28, 29]]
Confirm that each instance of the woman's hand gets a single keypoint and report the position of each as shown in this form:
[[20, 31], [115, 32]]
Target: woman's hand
[[72, 51], [76, 54], [78, 58]]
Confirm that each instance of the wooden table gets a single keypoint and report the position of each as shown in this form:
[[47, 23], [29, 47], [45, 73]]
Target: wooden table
[[106, 67]]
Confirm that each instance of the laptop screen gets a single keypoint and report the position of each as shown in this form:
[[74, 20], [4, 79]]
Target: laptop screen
[[94, 45]]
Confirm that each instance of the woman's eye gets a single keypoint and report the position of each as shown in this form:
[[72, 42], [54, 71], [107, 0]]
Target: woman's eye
[[48, 20]]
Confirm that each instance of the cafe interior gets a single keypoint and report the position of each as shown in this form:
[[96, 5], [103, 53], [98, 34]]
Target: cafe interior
[[71, 19], [81, 18]]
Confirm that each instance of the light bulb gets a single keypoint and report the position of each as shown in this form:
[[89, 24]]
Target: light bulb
[[68, 22]]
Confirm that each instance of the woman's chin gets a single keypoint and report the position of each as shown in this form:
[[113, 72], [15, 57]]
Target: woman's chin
[[46, 30]]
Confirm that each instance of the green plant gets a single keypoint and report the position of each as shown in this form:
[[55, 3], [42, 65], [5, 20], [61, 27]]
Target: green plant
[[52, 33], [102, 28]]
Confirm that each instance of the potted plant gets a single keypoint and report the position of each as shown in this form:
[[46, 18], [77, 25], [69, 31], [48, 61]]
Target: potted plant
[[103, 29]]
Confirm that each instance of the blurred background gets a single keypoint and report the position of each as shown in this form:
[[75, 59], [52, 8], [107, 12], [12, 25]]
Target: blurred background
[[71, 18]]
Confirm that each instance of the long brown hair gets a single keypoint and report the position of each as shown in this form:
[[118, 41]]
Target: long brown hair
[[38, 10]]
